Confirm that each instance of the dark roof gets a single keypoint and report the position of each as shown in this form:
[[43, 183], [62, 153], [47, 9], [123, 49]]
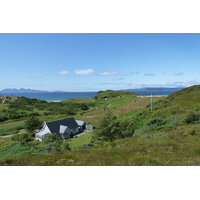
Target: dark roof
[[54, 127]]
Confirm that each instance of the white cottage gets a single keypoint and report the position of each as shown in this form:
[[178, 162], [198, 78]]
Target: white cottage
[[66, 127]]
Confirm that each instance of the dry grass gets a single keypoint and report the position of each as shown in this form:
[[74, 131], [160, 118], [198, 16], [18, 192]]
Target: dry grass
[[119, 107]]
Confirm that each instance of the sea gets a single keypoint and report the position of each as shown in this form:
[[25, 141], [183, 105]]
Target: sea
[[54, 96], [59, 96]]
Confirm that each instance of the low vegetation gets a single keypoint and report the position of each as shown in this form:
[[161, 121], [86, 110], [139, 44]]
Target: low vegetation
[[127, 131]]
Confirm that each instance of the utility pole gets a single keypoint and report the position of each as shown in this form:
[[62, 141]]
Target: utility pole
[[151, 100]]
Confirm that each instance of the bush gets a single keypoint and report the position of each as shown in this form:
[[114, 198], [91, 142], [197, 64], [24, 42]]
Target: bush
[[155, 122], [32, 123], [22, 137], [126, 129], [50, 138], [3, 117], [53, 142], [173, 120], [65, 146], [191, 117]]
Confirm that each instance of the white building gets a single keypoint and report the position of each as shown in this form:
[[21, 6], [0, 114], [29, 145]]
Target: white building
[[66, 127]]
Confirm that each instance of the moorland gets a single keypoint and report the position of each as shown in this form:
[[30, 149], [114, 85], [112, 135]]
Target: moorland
[[129, 130]]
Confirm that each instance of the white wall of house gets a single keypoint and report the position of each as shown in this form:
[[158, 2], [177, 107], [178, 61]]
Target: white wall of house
[[41, 135], [46, 128]]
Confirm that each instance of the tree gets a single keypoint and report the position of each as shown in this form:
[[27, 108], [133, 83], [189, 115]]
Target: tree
[[126, 130], [32, 123], [107, 129]]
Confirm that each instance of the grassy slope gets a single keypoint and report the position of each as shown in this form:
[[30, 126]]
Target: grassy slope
[[119, 105], [80, 141], [15, 149], [172, 146], [184, 100], [168, 149]]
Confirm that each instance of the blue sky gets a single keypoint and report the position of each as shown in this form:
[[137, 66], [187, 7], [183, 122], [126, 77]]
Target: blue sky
[[98, 61]]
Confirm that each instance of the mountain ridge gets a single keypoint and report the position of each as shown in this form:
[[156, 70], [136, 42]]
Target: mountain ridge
[[21, 90], [28, 90]]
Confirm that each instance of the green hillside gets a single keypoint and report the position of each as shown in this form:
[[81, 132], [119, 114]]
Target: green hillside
[[183, 100], [111, 93], [169, 135], [170, 111], [166, 148]]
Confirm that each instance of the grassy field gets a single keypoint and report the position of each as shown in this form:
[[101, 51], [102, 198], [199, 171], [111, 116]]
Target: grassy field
[[80, 142]]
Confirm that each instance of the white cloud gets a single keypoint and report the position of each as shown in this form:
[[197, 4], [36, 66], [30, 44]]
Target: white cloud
[[109, 73], [63, 72], [84, 72]]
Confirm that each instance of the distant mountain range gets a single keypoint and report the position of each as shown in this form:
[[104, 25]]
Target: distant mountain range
[[154, 90], [22, 90]]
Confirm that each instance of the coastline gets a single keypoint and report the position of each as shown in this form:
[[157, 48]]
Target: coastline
[[53, 100]]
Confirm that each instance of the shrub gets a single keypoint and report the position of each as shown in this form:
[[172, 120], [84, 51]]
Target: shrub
[[65, 146], [53, 142], [50, 138], [32, 123], [191, 117], [155, 122], [3, 117], [22, 137], [173, 120]]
